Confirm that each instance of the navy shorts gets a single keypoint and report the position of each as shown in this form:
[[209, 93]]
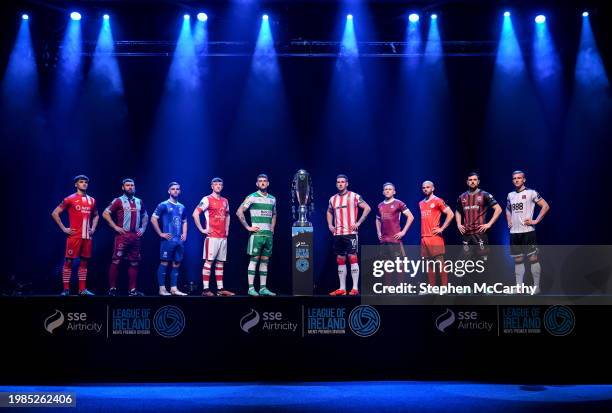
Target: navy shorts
[[171, 250]]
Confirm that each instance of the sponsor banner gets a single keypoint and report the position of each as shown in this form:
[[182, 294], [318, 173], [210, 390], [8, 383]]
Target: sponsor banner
[[166, 321], [361, 321], [555, 320], [466, 321], [73, 321], [271, 321]]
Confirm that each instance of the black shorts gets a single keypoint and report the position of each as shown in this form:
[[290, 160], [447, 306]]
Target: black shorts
[[345, 244], [524, 243], [476, 244], [390, 250]]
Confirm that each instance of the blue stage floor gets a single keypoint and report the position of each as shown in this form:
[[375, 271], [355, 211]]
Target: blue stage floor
[[334, 397]]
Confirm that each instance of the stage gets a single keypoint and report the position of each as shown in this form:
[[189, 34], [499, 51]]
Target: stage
[[386, 396], [298, 338]]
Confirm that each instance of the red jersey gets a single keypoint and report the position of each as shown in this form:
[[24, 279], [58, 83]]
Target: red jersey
[[389, 214], [216, 213], [81, 209], [431, 211], [345, 209], [127, 212]]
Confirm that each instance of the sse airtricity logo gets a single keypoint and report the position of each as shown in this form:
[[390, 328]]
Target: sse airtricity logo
[[559, 320], [54, 321], [445, 320], [364, 320], [169, 321], [249, 321]]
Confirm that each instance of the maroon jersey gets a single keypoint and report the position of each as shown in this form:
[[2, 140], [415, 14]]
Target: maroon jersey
[[389, 214], [473, 206], [127, 212]]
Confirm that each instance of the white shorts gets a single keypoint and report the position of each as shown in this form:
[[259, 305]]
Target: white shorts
[[215, 249]]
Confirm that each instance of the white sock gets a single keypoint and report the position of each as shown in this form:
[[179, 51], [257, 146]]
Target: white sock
[[355, 276], [536, 270], [263, 273], [519, 273], [342, 276], [251, 271]]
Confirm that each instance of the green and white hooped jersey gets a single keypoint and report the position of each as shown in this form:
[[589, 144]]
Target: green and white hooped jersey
[[262, 208]]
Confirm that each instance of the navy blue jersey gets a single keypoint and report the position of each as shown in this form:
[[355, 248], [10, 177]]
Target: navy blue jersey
[[171, 217]]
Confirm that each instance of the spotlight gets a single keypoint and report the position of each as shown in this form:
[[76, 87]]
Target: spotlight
[[585, 14], [25, 17], [506, 14], [413, 17], [202, 17], [265, 17], [434, 16], [349, 17], [75, 15], [540, 18], [186, 17], [106, 17]]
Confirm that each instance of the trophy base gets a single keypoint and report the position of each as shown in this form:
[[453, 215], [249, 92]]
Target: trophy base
[[302, 257]]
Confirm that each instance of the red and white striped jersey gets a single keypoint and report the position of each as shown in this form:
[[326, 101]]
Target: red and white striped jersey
[[80, 211], [345, 209], [216, 213]]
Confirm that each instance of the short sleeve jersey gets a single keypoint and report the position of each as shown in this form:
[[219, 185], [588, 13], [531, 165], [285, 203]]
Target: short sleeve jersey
[[345, 210], [431, 211], [389, 214], [127, 212], [473, 206], [262, 208], [172, 216], [216, 214], [80, 210], [521, 206]]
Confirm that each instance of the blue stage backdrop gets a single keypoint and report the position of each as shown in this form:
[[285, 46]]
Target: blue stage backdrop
[[539, 102]]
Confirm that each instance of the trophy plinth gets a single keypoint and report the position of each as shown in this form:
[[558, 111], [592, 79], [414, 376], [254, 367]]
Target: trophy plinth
[[301, 234]]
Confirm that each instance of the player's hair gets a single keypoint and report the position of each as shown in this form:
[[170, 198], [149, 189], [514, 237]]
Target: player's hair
[[263, 176], [171, 184], [79, 177], [427, 182], [386, 184], [518, 171], [216, 179], [342, 176], [126, 180], [473, 174]]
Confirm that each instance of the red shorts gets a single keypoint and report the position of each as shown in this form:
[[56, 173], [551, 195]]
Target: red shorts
[[127, 247], [432, 246], [78, 247]]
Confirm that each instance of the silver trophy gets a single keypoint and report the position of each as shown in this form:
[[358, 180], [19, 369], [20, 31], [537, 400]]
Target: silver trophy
[[301, 197]]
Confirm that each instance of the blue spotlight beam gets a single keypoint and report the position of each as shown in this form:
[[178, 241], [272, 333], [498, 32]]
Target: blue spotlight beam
[[20, 83], [265, 64], [546, 62], [509, 56], [590, 71], [200, 38], [433, 47], [105, 69], [413, 37], [184, 74]]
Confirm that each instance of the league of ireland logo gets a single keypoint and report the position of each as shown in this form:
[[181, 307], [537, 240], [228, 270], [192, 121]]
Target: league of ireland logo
[[169, 321], [364, 320]]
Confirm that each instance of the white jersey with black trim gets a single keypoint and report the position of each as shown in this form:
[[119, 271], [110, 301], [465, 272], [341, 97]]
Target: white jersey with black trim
[[521, 206]]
